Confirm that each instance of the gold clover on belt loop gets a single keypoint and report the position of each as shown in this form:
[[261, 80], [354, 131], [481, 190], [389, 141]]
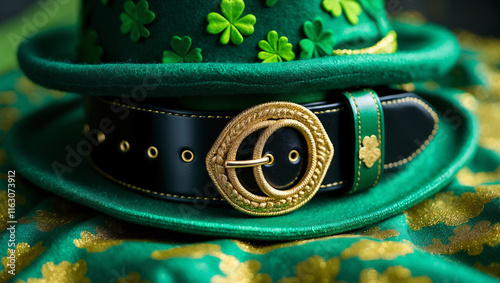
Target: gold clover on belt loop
[[370, 152], [221, 164]]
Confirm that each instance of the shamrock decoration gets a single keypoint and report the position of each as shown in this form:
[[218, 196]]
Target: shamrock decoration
[[370, 152], [275, 50], [318, 43], [89, 50], [352, 9], [134, 19], [181, 53], [271, 3], [229, 23]]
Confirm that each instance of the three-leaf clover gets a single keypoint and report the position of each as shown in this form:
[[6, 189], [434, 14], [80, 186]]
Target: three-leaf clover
[[181, 53], [134, 19], [229, 23], [271, 3], [89, 49], [352, 9], [275, 50], [318, 43]]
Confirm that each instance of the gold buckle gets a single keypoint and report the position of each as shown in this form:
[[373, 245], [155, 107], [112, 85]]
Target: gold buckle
[[221, 164]]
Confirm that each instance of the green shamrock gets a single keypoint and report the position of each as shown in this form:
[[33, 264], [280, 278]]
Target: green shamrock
[[352, 9], [271, 3], [181, 53], [134, 19], [89, 50], [275, 50], [232, 27], [318, 43]]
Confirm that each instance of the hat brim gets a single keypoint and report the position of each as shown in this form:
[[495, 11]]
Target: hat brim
[[37, 142], [425, 51]]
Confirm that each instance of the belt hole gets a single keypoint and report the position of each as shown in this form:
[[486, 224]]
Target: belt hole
[[293, 156], [152, 152], [124, 146], [271, 159], [101, 137], [187, 156]]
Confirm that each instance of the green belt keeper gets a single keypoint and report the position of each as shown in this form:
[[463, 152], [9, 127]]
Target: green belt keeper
[[368, 119]]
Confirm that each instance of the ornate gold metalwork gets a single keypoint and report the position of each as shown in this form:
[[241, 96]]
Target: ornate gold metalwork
[[387, 45], [270, 117], [370, 152]]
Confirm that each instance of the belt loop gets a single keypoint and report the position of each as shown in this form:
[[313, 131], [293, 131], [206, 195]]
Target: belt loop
[[368, 129]]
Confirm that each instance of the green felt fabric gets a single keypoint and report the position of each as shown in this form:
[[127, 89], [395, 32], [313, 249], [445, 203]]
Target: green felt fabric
[[190, 18], [427, 51]]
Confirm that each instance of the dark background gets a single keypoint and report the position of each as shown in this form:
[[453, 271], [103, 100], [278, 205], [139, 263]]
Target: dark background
[[479, 16]]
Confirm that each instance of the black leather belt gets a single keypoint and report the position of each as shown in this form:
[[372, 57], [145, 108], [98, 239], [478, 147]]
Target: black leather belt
[[159, 149]]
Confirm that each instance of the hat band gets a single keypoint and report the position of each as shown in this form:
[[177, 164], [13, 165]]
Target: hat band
[[161, 151]]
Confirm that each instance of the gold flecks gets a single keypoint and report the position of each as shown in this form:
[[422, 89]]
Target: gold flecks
[[315, 269], [64, 272], [4, 205], [492, 269], [196, 251], [372, 250], [487, 47], [34, 93], [8, 116], [489, 119], [63, 213], [450, 209], [468, 101], [447, 208], [386, 45], [393, 274], [95, 243], [231, 267], [8, 97], [260, 249], [132, 277], [240, 272], [264, 249], [105, 237], [468, 178], [370, 152], [412, 17], [3, 158], [487, 193], [409, 87], [465, 239], [381, 235], [24, 255], [47, 221], [431, 85]]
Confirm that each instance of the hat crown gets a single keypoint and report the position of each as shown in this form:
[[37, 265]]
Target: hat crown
[[226, 31]]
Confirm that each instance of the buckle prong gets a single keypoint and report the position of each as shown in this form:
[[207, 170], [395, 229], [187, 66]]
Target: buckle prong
[[266, 160]]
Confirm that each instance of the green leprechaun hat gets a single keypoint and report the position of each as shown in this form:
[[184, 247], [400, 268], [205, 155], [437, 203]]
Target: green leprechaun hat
[[324, 143], [134, 39]]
